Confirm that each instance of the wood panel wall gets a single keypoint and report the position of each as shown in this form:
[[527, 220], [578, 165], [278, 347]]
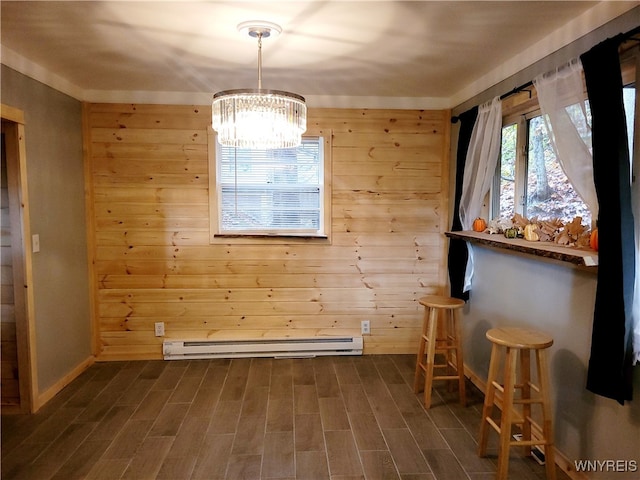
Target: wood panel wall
[[148, 210]]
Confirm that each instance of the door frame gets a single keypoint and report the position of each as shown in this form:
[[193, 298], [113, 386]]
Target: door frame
[[13, 127]]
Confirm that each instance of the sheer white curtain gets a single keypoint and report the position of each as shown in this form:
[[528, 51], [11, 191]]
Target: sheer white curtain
[[562, 99], [480, 167]]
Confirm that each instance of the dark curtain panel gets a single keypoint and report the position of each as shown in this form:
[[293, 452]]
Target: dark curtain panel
[[610, 363], [458, 253]]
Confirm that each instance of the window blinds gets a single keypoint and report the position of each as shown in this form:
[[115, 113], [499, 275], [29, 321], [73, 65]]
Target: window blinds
[[271, 192]]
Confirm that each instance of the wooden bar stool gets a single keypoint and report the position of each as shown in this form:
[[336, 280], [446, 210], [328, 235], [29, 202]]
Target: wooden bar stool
[[430, 344], [516, 341]]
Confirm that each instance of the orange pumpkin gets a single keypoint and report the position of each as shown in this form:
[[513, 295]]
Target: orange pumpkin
[[479, 224], [593, 239]]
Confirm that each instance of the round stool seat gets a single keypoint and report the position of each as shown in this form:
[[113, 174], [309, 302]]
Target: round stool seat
[[437, 301], [514, 337]]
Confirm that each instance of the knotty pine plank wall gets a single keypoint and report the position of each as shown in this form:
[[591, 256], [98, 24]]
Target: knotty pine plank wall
[[147, 203]]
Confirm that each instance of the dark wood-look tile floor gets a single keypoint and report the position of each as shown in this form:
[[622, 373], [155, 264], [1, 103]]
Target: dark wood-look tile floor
[[337, 418]]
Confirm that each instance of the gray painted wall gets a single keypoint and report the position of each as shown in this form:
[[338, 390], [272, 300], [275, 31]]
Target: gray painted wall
[[512, 289], [53, 131]]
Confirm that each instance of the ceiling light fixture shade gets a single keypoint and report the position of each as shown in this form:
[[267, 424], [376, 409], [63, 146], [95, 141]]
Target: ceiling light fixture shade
[[259, 118]]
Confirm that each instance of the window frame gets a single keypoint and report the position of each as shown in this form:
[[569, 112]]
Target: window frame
[[521, 164], [276, 237]]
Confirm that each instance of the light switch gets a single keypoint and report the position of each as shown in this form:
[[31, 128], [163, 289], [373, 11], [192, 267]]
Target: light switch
[[35, 243]]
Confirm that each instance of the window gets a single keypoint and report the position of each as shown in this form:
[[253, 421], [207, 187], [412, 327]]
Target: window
[[529, 179], [279, 192], [629, 60], [629, 98], [507, 173], [525, 148]]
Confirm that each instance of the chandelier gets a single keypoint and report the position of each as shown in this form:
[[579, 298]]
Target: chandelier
[[259, 118]]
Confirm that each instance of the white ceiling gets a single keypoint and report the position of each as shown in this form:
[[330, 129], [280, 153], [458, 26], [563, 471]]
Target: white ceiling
[[426, 54]]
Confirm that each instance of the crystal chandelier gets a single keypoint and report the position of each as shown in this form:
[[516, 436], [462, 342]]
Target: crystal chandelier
[[259, 118]]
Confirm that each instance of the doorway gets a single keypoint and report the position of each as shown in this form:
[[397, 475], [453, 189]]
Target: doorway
[[17, 375]]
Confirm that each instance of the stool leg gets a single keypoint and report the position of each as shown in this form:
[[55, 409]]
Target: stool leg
[[525, 378], [418, 385], [448, 340], [459, 358], [507, 413], [547, 425], [489, 399], [431, 355]]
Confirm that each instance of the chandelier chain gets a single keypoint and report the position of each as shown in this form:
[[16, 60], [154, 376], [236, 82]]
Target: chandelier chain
[[259, 35]]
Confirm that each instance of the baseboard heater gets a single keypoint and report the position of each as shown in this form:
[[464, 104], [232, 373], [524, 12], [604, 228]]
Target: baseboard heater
[[289, 347]]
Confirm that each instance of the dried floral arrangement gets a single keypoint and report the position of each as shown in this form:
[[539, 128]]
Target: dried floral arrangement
[[572, 234]]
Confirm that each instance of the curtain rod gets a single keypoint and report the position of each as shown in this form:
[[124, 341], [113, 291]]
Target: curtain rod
[[623, 36], [630, 33], [519, 89]]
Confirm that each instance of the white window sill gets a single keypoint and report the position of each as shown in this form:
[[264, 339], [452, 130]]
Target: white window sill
[[547, 250]]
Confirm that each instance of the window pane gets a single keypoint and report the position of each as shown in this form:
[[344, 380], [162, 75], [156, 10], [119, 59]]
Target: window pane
[[629, 96], [508, 170], [549, 192], [271, 191]]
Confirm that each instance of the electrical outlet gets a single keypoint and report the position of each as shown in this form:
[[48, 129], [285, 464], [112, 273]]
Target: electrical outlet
[[365, 327], [159, 329]]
